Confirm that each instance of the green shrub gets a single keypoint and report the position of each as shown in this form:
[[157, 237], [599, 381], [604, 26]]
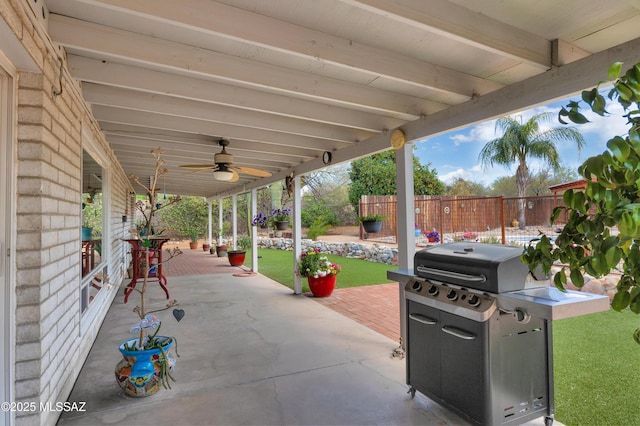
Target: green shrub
[[319, 227]]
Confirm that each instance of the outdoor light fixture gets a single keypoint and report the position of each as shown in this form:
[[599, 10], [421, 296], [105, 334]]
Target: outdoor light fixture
[[223, 174]]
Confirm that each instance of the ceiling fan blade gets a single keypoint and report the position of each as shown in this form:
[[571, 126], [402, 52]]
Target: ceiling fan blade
[[193, 171], [198, 166], [235, 176], [253, 172]]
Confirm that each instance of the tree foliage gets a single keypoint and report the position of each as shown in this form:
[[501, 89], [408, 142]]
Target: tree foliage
[[539, 182], [326, 200], [189, 217], [521, 142], [376, 175], [462, 187], [587, 243]]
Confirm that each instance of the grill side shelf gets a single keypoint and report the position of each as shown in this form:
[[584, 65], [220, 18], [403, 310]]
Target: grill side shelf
[[552, 304]]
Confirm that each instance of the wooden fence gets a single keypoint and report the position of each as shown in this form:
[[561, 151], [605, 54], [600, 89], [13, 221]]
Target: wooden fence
[[489, 218]]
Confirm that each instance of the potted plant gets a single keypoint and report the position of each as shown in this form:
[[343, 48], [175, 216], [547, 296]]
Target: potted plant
[[280, 218], [221, 247], [321, 274], [147, 364], [433, 236], [236, 257], [206, 246], [193, 237], [260, 220], [372, 223], [470, 236]]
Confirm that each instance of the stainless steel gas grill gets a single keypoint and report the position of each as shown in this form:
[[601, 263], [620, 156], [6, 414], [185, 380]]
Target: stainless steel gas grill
[[478, 332]]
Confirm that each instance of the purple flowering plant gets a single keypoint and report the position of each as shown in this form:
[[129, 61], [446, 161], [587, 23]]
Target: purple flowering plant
[[260, 219], [434, 235]]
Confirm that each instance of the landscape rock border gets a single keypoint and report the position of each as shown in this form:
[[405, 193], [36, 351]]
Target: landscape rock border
[[369, 252]]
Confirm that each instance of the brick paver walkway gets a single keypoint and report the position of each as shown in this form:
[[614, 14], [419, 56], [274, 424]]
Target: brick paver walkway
[[375, 306]]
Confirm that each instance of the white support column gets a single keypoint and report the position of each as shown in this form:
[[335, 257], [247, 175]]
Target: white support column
[[254, 231], [234, 219], [406, 233], [209, 221], [220, 221], [406, 207], [297, 233]]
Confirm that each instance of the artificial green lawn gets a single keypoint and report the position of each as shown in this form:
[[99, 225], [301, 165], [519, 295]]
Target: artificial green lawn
[[597, 370], [278, 265], [596, 360]]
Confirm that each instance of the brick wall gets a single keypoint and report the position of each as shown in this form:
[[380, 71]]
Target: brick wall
[[51, 345]]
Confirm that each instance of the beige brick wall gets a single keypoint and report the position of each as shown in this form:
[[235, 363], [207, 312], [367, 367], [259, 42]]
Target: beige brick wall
[[51, 345]]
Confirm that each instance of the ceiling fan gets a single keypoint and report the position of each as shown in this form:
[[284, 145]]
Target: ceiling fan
[[223, 168]]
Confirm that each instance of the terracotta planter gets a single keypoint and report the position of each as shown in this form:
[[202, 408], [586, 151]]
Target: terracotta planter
[[322, 286], [281, 226], [372, 226], [236, 257], [193, 245]]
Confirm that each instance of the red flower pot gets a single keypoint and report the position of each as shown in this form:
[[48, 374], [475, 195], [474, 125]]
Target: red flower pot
[[322, 286], [236, 257]]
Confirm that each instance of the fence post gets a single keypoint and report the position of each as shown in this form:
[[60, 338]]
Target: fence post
[[504, 237]]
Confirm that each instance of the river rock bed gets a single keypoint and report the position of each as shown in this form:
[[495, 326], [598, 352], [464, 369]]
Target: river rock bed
[[370, 252]]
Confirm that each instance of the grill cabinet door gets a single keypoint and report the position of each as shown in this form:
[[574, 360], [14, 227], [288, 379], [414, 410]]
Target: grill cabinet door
[[423, 356], [464, 357]]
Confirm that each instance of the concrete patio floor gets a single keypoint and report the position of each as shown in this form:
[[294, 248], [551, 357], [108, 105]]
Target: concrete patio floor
[[253, 353]]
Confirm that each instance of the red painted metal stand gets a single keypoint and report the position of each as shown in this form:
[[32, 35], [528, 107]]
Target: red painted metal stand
[[139, 254]]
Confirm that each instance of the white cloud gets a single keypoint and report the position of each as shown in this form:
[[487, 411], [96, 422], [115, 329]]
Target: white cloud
[[482, 132], [475, 174]]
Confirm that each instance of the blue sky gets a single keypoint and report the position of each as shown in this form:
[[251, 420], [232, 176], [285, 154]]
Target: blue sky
[[455, 154]]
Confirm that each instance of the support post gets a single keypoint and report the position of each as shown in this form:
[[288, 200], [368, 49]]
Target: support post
[[254, 231], [297, 233], [220, 221], [209, 223], [234, 219], [406, 233]]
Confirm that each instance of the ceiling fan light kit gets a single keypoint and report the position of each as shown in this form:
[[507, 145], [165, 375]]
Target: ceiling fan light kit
[[223, 175]]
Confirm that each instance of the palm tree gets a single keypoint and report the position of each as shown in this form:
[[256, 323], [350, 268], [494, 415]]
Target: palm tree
[[522, 141]]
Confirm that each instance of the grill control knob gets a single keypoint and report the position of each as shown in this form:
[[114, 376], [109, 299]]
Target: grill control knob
[[433, 291], [474, 300], [416, 286], [521, 315], [452, 295]]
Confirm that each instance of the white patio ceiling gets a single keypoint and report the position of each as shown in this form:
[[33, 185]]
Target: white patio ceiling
[[286, 80]]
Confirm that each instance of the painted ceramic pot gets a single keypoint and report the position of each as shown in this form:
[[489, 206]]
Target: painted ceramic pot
[[236, 257], [322, 286], [138, 373]]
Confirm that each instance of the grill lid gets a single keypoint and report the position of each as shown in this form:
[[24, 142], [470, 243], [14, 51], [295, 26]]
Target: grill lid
[[489, 267]]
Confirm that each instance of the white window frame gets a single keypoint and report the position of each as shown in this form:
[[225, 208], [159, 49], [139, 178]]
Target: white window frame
[[94, 309]]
